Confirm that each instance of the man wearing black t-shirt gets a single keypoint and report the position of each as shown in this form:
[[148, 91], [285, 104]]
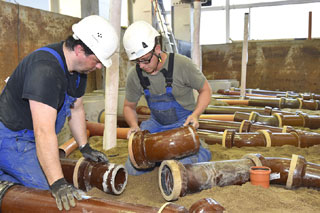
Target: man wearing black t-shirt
[[45, 89]]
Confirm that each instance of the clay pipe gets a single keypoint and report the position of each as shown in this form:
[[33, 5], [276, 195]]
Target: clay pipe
[[121, 122], [232, 109], [278, 119], [97, 129], [217, 117], [260, 91], [84, 174], [176, 180], [19, 198], [206, 205], [143, 110], [243, 126], [68, 147], [146, 149], [230, 138]]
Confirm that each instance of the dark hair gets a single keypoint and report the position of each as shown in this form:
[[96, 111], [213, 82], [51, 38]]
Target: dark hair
[[71, 43]]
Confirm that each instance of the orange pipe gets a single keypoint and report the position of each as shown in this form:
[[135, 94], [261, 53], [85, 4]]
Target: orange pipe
[[217, 117], [97, 129], [235, 101], [69, 146]]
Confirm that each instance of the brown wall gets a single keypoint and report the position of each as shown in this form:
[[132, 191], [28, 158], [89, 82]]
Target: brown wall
[[286, 65], [274, 65]]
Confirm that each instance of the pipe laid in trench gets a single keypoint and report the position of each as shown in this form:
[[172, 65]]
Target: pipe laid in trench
[[278, 119], [19, 198], [177, 180], [146, 149], [265, 138], [83, 174]]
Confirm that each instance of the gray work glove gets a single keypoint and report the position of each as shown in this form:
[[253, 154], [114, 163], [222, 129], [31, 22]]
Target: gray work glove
[[64, 194], [93, 154]]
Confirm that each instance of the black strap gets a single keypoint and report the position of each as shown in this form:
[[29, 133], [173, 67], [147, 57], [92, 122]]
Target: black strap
[[169, 73], [144, 81]]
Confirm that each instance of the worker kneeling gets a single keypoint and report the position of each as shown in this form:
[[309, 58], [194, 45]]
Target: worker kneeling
[[167, 81]]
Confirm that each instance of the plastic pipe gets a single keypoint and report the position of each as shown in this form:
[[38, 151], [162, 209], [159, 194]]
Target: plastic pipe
[[176, 180], [83, 174], [28, 200], [146, 149]]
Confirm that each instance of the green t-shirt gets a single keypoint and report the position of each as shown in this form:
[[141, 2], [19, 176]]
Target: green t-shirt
[[186, 77]]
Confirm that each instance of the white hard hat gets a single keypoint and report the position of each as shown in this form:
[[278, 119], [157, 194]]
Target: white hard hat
[[99, 35], [139, 39]]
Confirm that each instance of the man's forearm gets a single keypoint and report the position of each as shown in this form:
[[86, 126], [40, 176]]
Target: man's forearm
[[48, 155]]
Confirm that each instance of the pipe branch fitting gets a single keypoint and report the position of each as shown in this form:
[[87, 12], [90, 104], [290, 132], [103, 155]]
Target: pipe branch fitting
[[146, 149]]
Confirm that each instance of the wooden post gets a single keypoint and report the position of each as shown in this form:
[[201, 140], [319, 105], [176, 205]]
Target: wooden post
[[310, 26], [244, 57], [112, 84]]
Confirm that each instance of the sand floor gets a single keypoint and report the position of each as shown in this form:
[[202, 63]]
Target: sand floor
[[144, 189]]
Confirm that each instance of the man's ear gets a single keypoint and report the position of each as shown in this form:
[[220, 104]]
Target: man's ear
[[78, 49]]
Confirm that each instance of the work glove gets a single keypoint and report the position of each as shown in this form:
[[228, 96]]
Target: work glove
[[93, 154], [64, 194]]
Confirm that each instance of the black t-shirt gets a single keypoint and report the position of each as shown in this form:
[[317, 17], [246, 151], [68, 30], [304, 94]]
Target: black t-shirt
[[38, 77]]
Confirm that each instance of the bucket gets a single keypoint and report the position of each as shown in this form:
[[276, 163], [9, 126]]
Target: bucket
[[260, 175]]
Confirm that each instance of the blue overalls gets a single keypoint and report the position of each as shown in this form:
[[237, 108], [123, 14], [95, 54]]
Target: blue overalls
[[18, 157], [166, 114]]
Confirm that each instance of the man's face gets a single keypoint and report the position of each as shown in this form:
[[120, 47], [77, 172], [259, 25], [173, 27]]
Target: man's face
[[147, 62], [87, 63]]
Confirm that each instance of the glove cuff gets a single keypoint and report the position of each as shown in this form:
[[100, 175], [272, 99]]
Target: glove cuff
[[86, 148], [58, 183]]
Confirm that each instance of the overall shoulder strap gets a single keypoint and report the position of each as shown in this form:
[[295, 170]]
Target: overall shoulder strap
[[144, 81], [58, 57], [169, 73]]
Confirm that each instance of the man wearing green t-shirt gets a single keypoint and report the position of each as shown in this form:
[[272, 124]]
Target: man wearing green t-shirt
[[167, 82]]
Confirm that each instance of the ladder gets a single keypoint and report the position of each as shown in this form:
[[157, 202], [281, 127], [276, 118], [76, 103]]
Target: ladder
[[169, 41]]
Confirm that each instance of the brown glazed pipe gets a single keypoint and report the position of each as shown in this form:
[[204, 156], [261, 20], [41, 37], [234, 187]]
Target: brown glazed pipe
[[253, 91], [145, 149], [276, 102], [230, 138], [143, 110], [278, 119], [176, 180], [206, 205], [83, 174], [243, 126], [28, 200], [232, 109]]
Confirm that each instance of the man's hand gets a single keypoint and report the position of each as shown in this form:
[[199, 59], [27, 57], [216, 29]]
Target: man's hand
[[64, 194], [93, 154], [132, 130], [193, 120]]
